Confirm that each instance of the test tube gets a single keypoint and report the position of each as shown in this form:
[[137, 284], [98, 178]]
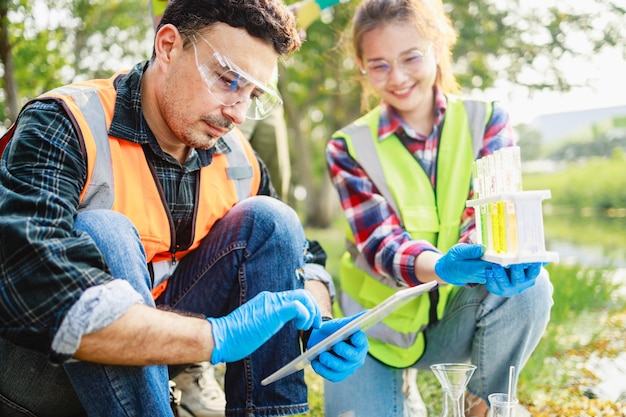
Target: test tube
[[476, 184], [493, 207], [485, 215], [500, 175], [512, 165]]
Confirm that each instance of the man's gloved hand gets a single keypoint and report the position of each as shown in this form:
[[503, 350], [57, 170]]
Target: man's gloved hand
[[345, 357], [249, 326], [513, 279], [462, 265]]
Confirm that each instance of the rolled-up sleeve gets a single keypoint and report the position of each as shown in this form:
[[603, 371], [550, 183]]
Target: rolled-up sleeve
[[48, 270], [97, 308]]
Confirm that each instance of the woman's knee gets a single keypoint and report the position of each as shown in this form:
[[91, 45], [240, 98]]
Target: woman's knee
[[538, 299]]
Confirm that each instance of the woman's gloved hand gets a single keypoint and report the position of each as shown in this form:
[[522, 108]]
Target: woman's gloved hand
[[249, 326], [512, 280], [462, 265], [345, 357]]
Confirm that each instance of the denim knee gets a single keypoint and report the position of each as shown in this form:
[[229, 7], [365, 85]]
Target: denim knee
[[538, 299], [102, 224], [267, 211], [118, 240]]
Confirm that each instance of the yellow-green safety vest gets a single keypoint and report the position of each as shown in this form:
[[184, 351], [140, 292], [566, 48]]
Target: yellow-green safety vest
[[425, 213]]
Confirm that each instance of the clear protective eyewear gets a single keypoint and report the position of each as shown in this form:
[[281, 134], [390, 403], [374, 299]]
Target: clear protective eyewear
[[230, 85], [410, 62]]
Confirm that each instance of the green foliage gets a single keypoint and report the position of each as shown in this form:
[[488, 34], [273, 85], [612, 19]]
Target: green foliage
[[112, 35], [594, 141], [598, 184], [59, 41]]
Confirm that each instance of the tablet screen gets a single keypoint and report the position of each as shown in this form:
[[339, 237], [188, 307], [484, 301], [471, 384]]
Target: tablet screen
[[363, 322]]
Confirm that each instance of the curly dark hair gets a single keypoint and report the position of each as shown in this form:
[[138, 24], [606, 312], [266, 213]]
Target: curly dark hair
[[268, 20]]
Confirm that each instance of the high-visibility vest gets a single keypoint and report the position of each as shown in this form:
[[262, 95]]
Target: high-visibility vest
[[120, 177], [425, 213]]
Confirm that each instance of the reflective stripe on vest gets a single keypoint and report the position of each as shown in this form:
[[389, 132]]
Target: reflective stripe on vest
[[231, 176], [398, 341]]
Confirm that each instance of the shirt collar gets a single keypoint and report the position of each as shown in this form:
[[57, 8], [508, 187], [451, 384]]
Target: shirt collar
[[390, 122]]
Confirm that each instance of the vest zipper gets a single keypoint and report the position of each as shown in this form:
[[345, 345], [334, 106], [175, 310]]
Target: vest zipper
[[170, 220]]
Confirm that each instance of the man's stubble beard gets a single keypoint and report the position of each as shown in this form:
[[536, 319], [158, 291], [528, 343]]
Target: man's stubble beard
[[201, 141]]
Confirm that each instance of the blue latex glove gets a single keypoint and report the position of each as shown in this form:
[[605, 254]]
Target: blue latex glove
[[249, 326], [345, 357], [462, 265], [513, 279]]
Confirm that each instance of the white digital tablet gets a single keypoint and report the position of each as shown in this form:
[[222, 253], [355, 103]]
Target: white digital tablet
[[363, 322]]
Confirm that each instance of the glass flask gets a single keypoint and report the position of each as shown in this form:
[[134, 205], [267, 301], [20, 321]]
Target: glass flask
[[453, 378]]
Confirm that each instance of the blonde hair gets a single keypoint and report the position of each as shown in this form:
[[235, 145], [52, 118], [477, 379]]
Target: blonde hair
[[428, 17]]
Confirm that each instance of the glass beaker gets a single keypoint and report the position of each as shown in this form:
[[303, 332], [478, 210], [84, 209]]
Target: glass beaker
[[453, 378], [501, 405]]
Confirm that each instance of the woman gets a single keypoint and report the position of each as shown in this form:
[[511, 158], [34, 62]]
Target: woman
[[403, 174]]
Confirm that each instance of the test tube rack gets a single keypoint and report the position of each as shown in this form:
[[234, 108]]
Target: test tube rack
[[509, 221], [511, 227]]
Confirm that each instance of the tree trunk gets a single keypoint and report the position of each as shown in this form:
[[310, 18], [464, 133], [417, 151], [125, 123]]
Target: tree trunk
[[10, 86]]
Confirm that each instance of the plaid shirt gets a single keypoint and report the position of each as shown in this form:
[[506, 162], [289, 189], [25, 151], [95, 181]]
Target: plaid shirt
[[388, 248], [45, 267]]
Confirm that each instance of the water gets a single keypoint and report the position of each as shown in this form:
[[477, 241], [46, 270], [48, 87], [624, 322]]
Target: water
[[592, 254], [604, 246], [587, 240]]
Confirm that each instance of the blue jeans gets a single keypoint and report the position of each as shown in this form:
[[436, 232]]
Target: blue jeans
[[257, 246], [489, 331]]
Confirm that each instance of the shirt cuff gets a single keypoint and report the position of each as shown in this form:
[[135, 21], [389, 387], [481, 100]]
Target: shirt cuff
[[316, 272], [97, 308]]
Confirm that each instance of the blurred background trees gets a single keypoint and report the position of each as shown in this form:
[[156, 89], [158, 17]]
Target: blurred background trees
[[46, 43]]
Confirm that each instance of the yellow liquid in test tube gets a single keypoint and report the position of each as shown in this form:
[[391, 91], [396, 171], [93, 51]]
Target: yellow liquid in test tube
[[502, 229], [490, 161]]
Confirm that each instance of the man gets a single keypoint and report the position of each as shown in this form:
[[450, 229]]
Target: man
[[121, 195]]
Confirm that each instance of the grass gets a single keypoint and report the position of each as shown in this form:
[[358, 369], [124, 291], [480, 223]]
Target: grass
[[587, 319]]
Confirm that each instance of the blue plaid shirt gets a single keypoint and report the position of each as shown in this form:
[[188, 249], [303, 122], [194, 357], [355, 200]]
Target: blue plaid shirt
[[46, 268]]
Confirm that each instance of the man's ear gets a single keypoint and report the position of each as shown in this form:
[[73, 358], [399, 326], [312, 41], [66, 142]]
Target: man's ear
[[168, 39]]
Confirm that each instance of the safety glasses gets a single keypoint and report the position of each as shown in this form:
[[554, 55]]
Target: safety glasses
[[410, 62], [230, 85]]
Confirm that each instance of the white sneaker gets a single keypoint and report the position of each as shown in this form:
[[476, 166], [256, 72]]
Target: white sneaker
[[413, 404], [202, 396]]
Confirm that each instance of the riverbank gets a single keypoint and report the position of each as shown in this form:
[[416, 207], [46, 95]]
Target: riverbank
[[589, 380]]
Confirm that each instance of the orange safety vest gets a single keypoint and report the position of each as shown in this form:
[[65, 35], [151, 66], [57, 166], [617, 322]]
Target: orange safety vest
[[119, 176]]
